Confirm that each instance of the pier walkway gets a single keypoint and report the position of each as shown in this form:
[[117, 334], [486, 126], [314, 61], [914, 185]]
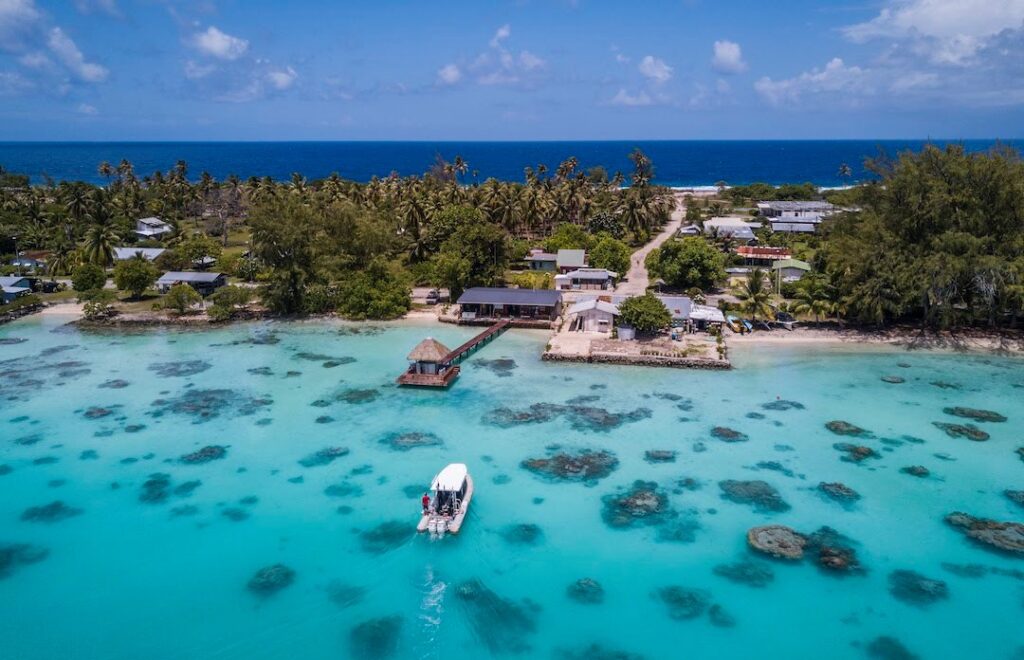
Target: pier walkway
[[446, 368]]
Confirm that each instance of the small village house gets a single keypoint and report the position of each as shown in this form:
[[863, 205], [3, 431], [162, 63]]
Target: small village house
[[203, 283], [540, 261], [736, 228], [757, 255], [788, 210], [586, 279], [14, 287], [568, 260], [152, 227], [790, 270], [126, 253], [592, 315], [499, 303]]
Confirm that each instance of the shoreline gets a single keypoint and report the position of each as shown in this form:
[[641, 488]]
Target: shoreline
[[898, 338]]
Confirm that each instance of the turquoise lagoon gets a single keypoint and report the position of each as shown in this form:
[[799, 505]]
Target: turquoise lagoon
[[127, 578]]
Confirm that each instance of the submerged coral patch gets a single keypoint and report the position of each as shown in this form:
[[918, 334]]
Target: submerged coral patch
[[976, 414], [16, 555], [916, 589], [324, 456], [838, 492], [969, 431], [726, 434], [587, 591], [782, 404], [832, 551], [581, 465], [358, 396], [839, 427], [327, 360], [386, 536], [500, 367], [777, 541], [1015, 496], [894, 380], [344, 594], [205, 455], [55, 511], [344, 489], [682, 603], [114, 384], [1007, 537], [660, 456], [642, 504], [761, 495], [855, 453], [376, 638], [156, 489], [269, 580], [885, 647], [580, 417], [180, 369], [500, 624], [410, 440], [522, 534], [206, 404], [746, 572]]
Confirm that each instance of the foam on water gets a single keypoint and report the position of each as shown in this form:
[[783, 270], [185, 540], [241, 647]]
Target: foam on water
[[125, 578]]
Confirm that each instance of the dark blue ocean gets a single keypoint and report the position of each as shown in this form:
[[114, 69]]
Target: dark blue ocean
[[677, 163]]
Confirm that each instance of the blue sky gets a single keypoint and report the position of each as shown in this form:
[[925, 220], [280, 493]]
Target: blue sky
[[526, 69]]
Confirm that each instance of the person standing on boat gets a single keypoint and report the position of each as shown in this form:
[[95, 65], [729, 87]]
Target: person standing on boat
[[426, 503]]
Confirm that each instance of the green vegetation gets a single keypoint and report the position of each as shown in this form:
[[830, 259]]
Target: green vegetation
[[755, 296], [228, 301], [135, 275], [610, 254], [20, 302], [687, 262], [644, 313], [181, 298], [88, 277], [938, 241]]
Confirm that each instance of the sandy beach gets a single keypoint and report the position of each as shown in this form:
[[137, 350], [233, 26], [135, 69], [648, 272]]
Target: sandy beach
[[900, 337]]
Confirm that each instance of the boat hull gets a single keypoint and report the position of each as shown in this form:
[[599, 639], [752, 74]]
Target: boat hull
[[454, 522]]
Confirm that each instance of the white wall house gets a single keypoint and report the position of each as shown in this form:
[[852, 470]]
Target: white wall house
[[152, 227], [592, 315]]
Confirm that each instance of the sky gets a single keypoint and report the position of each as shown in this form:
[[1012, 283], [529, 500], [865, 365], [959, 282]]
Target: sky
[[510, 70]]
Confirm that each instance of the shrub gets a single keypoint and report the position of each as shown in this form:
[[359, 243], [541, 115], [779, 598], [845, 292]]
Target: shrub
[[88, 276], [134, 276], [690, 262], [375, 293], [226, 301], [611, 254], [645, 313], [181, 298]]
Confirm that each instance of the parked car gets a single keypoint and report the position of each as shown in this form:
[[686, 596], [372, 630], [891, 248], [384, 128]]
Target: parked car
[[433, 297]]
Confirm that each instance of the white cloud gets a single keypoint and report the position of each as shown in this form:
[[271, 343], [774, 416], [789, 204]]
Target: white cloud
[[530, 61], [497, 65], [13, 83], [655, 69], [65, 49], [728, 57], [86, 109], [195, 71], [35, 60], [449, 74], [105, 6], [282, 79], [948, 31], [503, 33], [626, 99], [17, 18], [218, 44], [835, 77]]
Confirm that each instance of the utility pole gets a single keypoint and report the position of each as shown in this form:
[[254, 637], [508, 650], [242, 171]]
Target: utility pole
[[17, 258]]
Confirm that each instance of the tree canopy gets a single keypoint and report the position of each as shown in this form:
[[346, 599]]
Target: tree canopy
[[686, 263], [644, 313]]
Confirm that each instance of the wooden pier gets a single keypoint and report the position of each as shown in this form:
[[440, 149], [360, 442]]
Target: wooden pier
[[441, 371]]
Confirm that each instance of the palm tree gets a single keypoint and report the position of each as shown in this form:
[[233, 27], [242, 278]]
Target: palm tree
[[105, 170], [845, 172], [62, 260], [98, 245], [811, 300], [755, 296]]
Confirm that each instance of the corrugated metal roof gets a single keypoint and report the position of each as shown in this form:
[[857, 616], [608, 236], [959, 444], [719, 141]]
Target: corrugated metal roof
[[572, 258], [183, 276], [501, 296]]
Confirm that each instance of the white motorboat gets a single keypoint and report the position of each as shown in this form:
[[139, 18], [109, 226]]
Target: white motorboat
[[452, 492]]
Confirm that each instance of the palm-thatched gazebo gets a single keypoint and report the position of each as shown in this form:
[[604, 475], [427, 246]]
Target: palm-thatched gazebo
[[429, 366]]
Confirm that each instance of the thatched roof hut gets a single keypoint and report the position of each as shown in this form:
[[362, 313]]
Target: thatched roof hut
[[429, 350]]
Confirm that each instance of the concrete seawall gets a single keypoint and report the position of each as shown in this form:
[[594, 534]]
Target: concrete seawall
[[640, 360]]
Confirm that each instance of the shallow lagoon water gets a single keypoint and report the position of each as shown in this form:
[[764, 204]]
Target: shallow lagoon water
[[126, 578]]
